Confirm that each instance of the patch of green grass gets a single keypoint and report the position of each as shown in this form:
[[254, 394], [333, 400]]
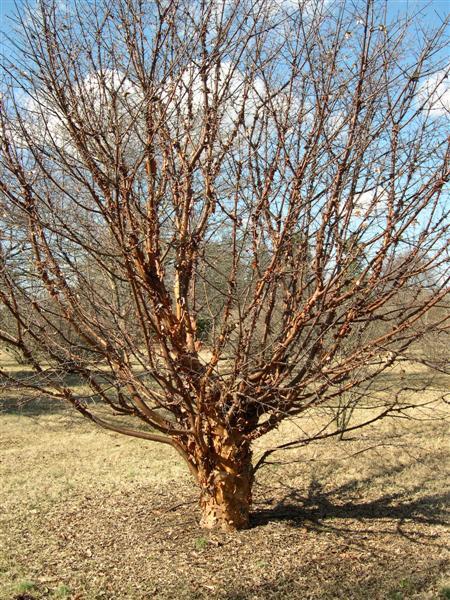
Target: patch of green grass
[[444, 592], [407, 585], [25, 586], [395, 595], [63, 591], [405, 589], [200, 543]]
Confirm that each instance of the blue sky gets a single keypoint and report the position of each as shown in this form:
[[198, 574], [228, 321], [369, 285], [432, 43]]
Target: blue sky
[[432, 13], [441, 7]]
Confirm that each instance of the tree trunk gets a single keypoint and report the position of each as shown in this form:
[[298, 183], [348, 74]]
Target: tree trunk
[[225, 500], [226, 478]]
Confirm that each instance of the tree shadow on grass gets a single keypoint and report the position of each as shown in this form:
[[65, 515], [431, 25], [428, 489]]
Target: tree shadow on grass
[[20, 402], [391, 532], [419, 381], [319, 508], [33, 407]]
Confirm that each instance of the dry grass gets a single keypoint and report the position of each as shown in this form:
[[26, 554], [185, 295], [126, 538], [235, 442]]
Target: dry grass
[[87, 514]]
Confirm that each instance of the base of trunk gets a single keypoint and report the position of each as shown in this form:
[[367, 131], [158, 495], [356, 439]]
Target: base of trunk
[[226, 514], [226, 499], [225, 477]]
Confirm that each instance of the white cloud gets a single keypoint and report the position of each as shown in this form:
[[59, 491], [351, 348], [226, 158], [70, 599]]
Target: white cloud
[[234, 90], [110, 81], [370, 201], [182, 107], [434, 93], [44, 122]]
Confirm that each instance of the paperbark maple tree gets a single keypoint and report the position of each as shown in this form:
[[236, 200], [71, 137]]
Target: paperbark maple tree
[[220, 215]]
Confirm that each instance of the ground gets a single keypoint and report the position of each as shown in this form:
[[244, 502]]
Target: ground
[[87, 514]]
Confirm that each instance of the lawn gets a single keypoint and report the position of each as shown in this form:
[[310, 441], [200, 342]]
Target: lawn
[[88, 514]]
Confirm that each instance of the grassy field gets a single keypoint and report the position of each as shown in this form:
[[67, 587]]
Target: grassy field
[[87, 514]]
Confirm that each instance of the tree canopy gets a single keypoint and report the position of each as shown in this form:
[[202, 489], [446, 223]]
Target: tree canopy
[[219, 215]]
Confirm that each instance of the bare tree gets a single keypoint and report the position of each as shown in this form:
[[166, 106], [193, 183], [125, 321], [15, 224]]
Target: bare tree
[[220, 215]]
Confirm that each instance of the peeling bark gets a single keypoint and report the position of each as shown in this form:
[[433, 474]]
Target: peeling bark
[[225, 476], [226, 499]]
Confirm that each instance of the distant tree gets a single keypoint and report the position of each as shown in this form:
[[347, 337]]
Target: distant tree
[[220, 208]]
